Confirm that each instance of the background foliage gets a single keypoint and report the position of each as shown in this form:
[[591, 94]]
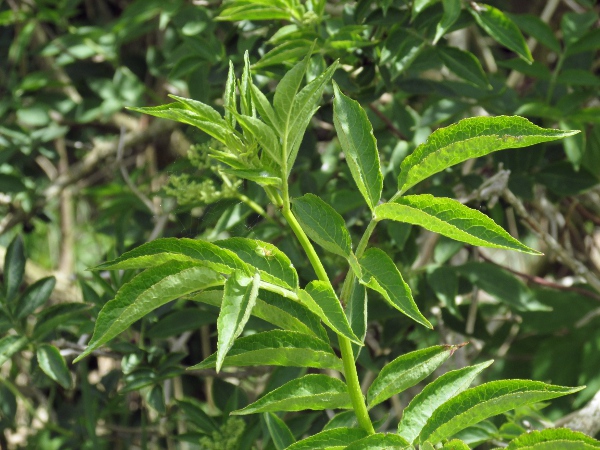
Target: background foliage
[[82, 180]]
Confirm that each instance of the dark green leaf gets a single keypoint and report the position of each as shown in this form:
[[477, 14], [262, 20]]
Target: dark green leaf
[[471, 138], [406, 371], [14, 268], [465, 65], [450, 218], [444, 282], [156, 399], [277, 348], [360, 147], [323, 224], [419, 410], [279, 431], [180, 321], [452, 10], [34, 296], [381, 274], [316, 392], [563, 180], [538, 29], [146, 292], [501, 28], [9, 345], [53, 364], [239, 297], [490, 399]]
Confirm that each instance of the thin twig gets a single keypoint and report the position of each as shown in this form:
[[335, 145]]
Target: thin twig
[[388, 123]]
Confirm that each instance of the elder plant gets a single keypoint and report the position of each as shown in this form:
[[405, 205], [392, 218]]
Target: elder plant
[[245, 277]]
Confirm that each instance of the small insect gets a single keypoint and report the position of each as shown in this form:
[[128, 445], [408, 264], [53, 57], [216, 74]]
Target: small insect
[[264, 252]]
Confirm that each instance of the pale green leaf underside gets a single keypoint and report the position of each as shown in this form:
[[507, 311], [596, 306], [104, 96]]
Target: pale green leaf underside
[[381, 274], [355, 134], [487, 400], [160, 251], [239, 297], [279, 311], [321, 300], [379, 441], [147, 291], [314, 392], [442, 389], [471, 138], [406, 371], [277, 348], [554, 439], [335, 439], [274, 265], [450, 218], [323, 224]]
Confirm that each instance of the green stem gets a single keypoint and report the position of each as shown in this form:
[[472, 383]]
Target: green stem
[[350, 373]]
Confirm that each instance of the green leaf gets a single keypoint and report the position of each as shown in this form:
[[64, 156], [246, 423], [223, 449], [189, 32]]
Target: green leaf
[[335, 439], [204, 111], [50, 318], [229, 98], [406, 371], [274, 265], [155, 397], [356, 312], [553, 439], [451, 14], [323, 224], [501, 28], [379, 441], [260, 176], [53, 364], [14, 268], [381, 274], [487, 400], [502, 285], [588, 42], [277, 348], [450, 218], [419, 5], [246, 106], [146, 292], [179, 321], [287, 52], [277, 310], [239, 297], [254, 11], [538, 29], [263, 134], [159, 251], [279, 431], [444, 282], [34, 296], [420, 408], [194, 413], [304, 107], [471, 138], [359, 145], [455, 444], [9, 345], [321, 300], [264, 108], [465, 65], [315, 392]]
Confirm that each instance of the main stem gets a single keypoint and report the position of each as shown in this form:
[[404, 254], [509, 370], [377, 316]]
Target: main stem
[[350, 373]]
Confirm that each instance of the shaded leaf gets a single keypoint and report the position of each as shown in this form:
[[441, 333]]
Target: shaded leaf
[[277, 348], [279, 431], [487, 400], [537, 28], [11, 344], [465, 65], [450, 218], [471, 138], [14, 268], [316, 392], [381, 274], [420, 408], [53, 364], [355, 134], [34, 296], [406, 371], [146, 292], [452, 10], [239, 297]]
